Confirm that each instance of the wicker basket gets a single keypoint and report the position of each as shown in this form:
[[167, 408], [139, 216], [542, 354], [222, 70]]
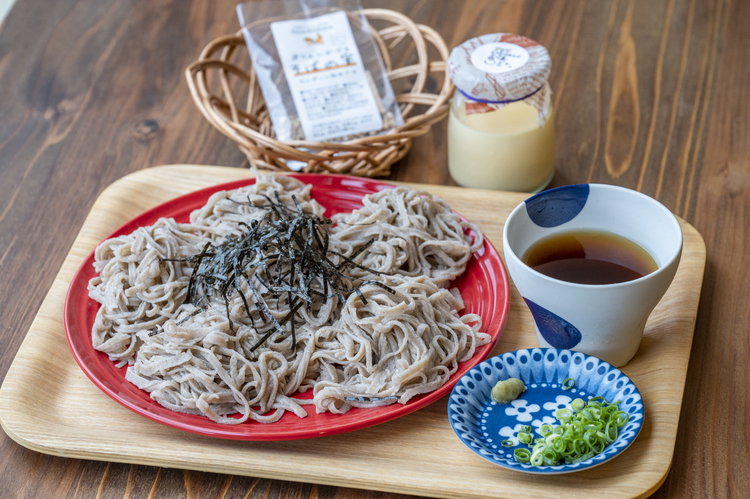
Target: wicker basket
[[220, 101]]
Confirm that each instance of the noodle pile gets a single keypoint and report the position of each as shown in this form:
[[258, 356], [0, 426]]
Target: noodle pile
[[416, 234], [396, 338]]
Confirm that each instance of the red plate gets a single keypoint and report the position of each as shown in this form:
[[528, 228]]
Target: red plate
[[484, 287]]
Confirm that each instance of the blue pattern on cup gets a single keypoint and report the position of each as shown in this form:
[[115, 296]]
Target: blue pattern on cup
[[557, 206], [558, 332]]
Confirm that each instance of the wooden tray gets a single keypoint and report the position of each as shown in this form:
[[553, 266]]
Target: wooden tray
[[48, 405]]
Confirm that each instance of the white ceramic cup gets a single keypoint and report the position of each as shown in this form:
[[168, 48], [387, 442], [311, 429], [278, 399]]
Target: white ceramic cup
[[603, 320]]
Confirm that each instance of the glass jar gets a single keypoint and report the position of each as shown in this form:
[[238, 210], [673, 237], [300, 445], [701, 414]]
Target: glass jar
[[501, 132]]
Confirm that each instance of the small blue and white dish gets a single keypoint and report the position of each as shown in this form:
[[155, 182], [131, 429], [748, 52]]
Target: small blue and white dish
[[482, 424]]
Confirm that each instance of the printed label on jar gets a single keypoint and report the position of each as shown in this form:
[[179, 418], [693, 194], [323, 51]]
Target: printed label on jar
[[326, 77], [499, 57]]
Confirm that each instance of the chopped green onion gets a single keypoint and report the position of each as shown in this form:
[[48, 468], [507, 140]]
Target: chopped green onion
[[549, 456], [579, 446], [559, 445], [552, 438], [522, 455], [590, 414], [578, 405], [507, 443], [610, 431], [545, 430], [564, 414], [568, 383], [621, 418], [580, 458], [525, 438], [537, 459], [585, 430]]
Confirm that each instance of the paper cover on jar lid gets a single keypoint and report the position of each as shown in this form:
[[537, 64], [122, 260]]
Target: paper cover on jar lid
[[497, 69]]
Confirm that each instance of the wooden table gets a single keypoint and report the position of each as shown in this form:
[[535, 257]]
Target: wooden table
[[648, 95]]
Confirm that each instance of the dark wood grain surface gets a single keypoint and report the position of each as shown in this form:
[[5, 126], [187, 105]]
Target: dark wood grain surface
[[649, 94]]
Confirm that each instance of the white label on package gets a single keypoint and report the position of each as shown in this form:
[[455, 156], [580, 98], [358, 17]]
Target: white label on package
[[326, 77]]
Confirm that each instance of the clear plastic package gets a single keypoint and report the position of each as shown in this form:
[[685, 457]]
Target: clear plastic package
[[319, 69]]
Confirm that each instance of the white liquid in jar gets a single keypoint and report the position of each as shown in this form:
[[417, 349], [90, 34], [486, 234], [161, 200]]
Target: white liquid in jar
[[501, 150]]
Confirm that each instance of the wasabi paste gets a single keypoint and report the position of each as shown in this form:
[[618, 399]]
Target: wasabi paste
[[506, 391]]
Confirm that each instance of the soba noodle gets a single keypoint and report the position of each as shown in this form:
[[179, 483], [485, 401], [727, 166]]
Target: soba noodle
[[415, 234], [377, 348], [394, 347]]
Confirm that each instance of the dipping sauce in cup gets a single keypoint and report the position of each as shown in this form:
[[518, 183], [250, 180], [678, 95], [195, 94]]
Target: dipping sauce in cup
[[563, 247], [589, 257]]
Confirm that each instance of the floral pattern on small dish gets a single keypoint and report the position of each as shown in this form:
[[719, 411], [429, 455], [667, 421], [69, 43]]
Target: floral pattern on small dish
[[482, 424], [521, 410]]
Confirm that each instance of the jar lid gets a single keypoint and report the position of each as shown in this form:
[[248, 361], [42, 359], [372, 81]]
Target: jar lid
[[499, 68]]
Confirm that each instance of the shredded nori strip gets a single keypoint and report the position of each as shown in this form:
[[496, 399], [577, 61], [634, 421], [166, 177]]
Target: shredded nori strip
[[288, 252]]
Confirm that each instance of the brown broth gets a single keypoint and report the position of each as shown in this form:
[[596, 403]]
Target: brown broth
[[589, 257]]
